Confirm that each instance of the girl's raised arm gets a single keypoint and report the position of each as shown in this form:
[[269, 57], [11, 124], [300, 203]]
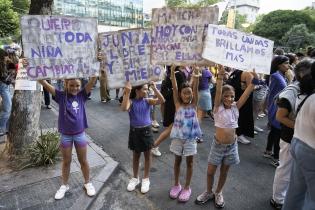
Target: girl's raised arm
[[48, 87], [160, 99], [90, 84], [88, 87], [125, 104], [219, 84], [174, 85], [195, 83]]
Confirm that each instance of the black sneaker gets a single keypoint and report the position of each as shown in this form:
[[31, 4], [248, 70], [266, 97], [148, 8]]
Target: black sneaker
[[199, 140], [275, 205], [275, 163]]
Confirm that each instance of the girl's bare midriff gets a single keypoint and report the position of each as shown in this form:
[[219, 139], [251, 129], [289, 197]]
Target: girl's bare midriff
[[225, 135]]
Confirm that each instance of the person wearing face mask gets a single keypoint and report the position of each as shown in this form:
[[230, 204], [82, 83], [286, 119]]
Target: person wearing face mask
[[278, 81]]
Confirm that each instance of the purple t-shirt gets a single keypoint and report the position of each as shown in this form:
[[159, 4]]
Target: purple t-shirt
[[72, 117], [139, 113], [204, 79]]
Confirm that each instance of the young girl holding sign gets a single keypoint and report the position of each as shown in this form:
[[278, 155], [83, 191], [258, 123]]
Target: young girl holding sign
[[224, 149], [137, 103], [71, 125], [184, 132]]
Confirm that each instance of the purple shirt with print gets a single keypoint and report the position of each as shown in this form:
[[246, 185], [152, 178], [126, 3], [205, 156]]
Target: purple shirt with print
[[72, 117], [204, 79]]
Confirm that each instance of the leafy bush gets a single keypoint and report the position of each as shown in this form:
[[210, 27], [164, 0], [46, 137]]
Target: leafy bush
[[42, 152]]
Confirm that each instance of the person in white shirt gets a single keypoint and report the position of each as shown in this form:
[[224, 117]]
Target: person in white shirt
[[301, 192]]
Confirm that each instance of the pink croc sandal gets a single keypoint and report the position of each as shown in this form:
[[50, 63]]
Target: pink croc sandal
[[175, 190], [184, 195]]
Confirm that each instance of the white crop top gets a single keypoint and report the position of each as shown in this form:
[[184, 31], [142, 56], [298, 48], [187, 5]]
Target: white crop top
[[226, 118]]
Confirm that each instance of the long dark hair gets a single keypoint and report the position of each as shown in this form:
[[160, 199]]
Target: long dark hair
[[307, 83], [303, 68], [133, 93], [3, 54]]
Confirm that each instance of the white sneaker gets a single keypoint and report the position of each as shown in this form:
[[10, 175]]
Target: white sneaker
[[243, 140], [133, 182], [155, 124], [255, 133], [145, 185], [155, 151], [61, 192], [90, 190], [219, 201], [154, 129], [258, 129]]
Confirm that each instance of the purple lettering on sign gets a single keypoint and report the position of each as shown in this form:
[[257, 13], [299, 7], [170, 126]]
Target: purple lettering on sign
[[141, 49], [144, 73], [126, 36], [46, 52], [132, 73]]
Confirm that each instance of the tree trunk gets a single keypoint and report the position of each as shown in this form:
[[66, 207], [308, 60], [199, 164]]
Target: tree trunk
[[24, 120]]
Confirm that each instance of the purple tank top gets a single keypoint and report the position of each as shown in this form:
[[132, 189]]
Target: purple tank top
[[139, 113]]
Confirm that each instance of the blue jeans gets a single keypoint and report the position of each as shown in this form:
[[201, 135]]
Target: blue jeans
[[6, 106], [301, 192]]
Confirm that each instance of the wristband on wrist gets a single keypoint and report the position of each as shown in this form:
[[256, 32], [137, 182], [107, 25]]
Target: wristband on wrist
[[255, 81]]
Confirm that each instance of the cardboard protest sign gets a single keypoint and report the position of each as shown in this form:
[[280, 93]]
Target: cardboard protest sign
[[178, 34], [127, 57], [236, 49], [60, 46]]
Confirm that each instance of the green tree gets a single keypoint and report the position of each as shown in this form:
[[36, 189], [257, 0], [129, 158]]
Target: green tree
[[251, 27], [239, 20], [21, 6], [275, 24], [9, 20], [309, 11], [298, 37], [186, 3], [24, 120], [176, 3]]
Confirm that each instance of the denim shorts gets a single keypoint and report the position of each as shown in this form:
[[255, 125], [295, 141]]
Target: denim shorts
[[223, 153], [183, 147], [79, 140]]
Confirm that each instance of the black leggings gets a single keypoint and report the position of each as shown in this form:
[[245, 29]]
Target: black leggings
[[274, 140]]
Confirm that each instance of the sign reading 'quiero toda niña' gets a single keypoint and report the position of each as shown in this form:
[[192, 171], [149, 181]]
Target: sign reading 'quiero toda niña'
[[60, 46]]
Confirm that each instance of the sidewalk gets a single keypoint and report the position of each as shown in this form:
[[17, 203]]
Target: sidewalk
[[34, 188]]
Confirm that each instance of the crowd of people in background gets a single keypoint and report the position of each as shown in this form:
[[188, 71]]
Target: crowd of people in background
[[234, 99]]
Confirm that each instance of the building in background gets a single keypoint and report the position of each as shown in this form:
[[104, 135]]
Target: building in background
[[111, 14], [249, 8]]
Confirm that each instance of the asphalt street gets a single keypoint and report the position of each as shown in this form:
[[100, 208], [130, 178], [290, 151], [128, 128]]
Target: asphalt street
[[249, 184]]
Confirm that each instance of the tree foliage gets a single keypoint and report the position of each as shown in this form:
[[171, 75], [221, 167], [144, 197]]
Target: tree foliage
[[175, 3], [9, 19], [298, 37], [309, 11], [185, 3], [24, 120], [239, 20], [275, 24], [21, 6]]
